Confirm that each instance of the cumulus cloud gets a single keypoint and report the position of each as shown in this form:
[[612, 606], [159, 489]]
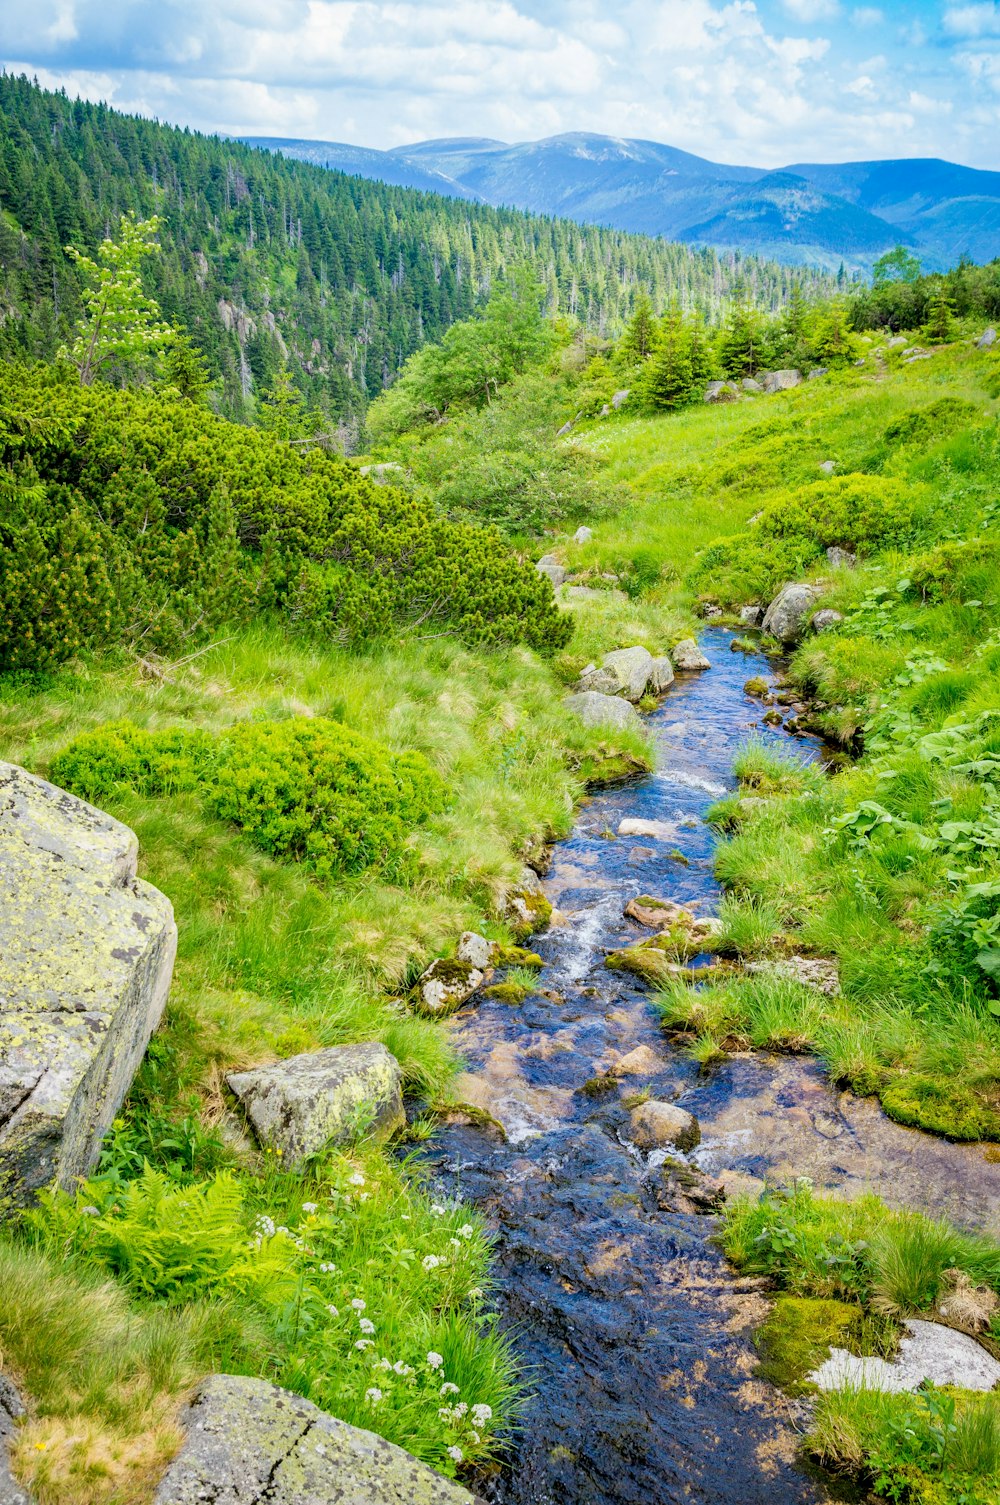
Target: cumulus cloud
[[739, 80]]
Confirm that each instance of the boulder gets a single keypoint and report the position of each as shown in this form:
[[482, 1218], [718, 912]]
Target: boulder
[[918, 355], [620, 398], [789, 612], [655, 914], [688, 657], [595, 709], [661, 676], [749, 385], [656, 1124], [841, 559], [324, 1097], [660, 830], [566, 428], [631, 666], [11, 1412], [898, 342], [928, 1352], [603, 681], [445, 986], [781, 381], [86, 954], [552, 570], [818, 371], [752, 616], [476, 950], [583, 535], [828, 467], [721, 391], [247, 1442], [825, 619], [987, 340]]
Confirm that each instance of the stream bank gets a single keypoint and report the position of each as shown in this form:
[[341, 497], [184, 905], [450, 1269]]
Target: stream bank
[[636, 1337]]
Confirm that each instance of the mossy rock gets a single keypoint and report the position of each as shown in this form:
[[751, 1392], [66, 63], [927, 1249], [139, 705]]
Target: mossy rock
[[798, 1335], [955, 1109], [605, 770], [758, 687], [527, 912], [518, 956], [513, 993], [599, 1086]]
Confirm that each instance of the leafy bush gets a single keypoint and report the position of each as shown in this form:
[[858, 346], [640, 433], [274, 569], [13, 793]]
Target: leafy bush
[[305, 790], [136, 516], [314, 792]]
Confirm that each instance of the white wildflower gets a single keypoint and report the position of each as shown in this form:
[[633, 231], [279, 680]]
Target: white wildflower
[[366, 1326], [475, 1293], [434, 1360], [455, 1453], [357, 1179], [92, 1212], [364, 1343], [382, 1363], [309, 1206], [474, 1438], [482, 1414], [444, 1413], [448, 1388], [454, 1243], [333, 1311], [373, 1395], [402, 1369], [430, 1261], [461, 1408], [437, 1210], [327, 1268], [358, 1304], [466, 1230]]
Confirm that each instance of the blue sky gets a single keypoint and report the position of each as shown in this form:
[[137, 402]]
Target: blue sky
[[764, 82]]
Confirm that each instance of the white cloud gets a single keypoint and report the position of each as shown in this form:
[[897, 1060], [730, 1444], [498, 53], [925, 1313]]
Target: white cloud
[[967, 21], [812, 10], [867, 15]]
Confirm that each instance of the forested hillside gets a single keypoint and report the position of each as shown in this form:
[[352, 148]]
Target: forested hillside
[[268, 262]]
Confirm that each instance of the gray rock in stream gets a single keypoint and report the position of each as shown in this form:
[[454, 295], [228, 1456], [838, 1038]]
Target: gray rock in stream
[[631, 668], [688, 657], [789, 612], [247, 1443]]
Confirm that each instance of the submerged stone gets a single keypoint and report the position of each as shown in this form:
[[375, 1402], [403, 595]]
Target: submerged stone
[[247, 1442], [86, 955], [655, 1124], [300, 1106]]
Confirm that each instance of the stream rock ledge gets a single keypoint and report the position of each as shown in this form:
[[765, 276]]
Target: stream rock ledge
[[86, 956], [248, 1442], [323, 1097]]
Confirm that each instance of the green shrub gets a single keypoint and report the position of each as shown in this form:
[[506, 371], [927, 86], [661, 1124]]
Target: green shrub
[[303, 790], [314, 792], [922, 425]]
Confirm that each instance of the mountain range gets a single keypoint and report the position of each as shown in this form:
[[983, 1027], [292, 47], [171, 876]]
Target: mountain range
[[818, 213]]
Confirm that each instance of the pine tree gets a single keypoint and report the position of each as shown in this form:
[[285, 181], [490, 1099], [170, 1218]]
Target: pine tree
[[668, 377], [940, 322], [637, 342], [740, 348]]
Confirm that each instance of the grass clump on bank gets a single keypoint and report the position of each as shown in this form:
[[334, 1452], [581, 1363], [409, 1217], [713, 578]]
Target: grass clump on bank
[[849, 1273]]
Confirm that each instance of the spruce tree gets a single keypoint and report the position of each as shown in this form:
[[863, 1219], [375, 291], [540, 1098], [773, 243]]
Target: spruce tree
[[636, 344], [669, 383]]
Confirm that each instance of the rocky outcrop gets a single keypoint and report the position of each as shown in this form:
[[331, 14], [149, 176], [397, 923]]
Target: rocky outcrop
[[781, 381], [11, 1412], [324, 1097], [688, 657], [753, 387], [86, 954], [595, 709], [247, 1442], [445, 986], [788, 614], [656, 1124], [751, 616], [602, 681], [661, 676], [631, 668]]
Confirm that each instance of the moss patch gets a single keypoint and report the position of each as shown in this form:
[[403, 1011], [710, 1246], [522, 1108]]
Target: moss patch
[[800, 1332], [518, 956], [955, 1109], [512, 993]]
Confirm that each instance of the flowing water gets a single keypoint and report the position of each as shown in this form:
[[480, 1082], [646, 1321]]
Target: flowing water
[[636, 1334]]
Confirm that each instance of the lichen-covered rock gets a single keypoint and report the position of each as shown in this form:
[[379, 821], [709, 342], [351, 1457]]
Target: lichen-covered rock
[[631, 668], [824, 620], [688, 657], [928, 1352], [86, 954], [11, 1411], [594, 709], [445, 986], [987, 339], [527, 909], [655, 1124], [661, 676], [751, 616], [247, 1442], [552, 570], [816, 972], [721, 391], [841, 559], [476, 950], [323, 1097], [600, 681], [583, 535], [789, 612]]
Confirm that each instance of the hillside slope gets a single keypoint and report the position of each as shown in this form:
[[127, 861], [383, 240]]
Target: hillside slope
[[942, 209]]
